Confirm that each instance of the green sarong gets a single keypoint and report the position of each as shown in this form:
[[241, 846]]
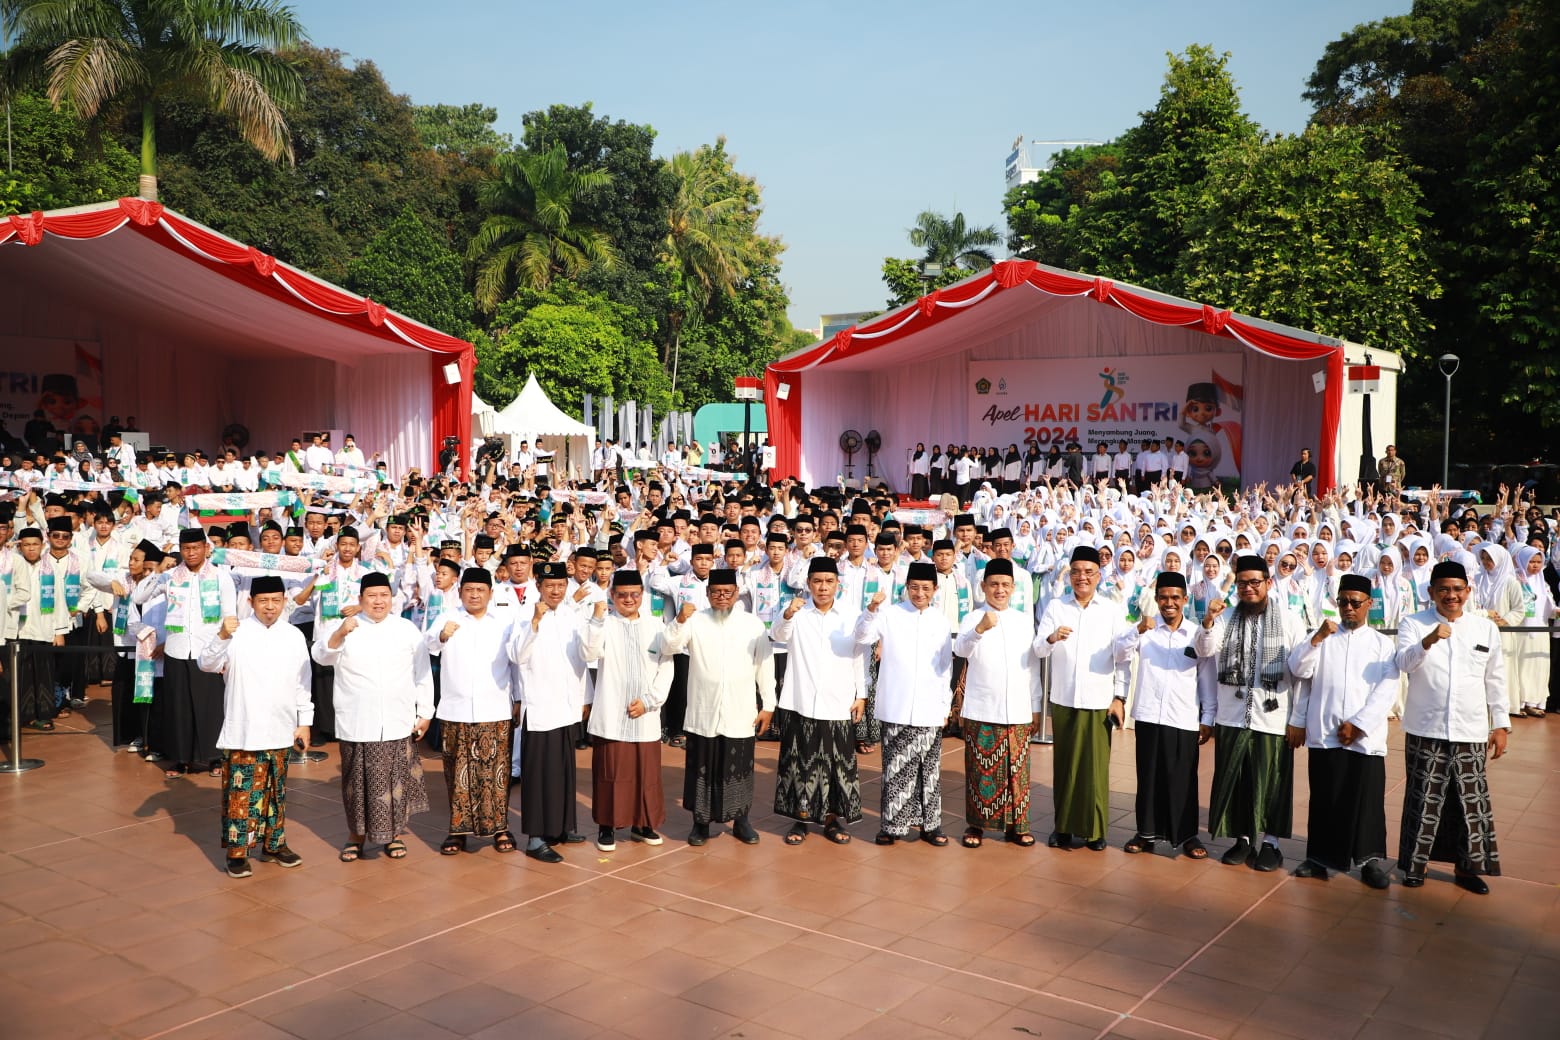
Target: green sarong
[[1253, 784], [1080, 771]]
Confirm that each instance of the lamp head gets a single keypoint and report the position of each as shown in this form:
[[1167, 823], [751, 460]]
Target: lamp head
[[1448, 364]]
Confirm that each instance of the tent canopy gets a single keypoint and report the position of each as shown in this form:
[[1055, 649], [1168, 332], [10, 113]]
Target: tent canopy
[[195, 330], [483, 416], [907, 374], [532, 416]]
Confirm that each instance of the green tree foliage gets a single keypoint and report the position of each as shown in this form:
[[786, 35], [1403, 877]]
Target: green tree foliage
[[409, 269], [1038, 213], [1135, 226], [59, 162], [906, 282], [958, 249], [530, 236], [1320, 231], [461, 129], [576, 343], [1468, 90], [113, 56]]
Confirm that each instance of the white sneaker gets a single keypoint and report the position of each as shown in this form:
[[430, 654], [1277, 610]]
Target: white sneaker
[[606, 839]]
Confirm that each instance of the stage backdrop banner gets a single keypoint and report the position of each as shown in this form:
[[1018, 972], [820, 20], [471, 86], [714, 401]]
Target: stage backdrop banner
[[61, 377], [1195, 398]]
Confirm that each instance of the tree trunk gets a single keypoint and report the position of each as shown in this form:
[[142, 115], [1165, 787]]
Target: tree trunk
[[148, 181]]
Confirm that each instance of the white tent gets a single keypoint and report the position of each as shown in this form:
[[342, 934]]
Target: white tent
[[483, 417], [533, 417]]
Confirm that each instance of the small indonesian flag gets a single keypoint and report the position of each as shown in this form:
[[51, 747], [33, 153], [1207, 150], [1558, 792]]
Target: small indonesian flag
[[1364, 379]]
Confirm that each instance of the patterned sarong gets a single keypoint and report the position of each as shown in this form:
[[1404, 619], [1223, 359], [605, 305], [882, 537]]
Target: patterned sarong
[[816, 775], [912, 778], [381, 787], [476, 768], [1446, 808], [254, 799], [996, 775]]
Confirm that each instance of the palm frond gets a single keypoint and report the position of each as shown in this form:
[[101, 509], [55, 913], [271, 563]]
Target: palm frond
[[88, 73]]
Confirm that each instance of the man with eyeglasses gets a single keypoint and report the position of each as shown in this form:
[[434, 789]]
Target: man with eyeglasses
[[1454, 714], [1253, 756], [1353, 680]]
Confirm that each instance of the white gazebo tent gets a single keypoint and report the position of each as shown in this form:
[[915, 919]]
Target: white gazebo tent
[[483, 417], [533, 417]]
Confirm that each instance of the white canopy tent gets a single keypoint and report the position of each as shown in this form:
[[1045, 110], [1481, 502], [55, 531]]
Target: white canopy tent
[[483, 417], [533, 417]]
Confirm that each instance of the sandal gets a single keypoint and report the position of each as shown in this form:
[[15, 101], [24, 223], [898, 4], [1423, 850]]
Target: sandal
[[678, 741], [63, 713], [351, 851], [42, 725], [174, 773], [1023, 841], [863, 748], [835, 832], [797, 834], [452, 845], [214, 771], [973, 837], [1137, 844], [934, 837], [504, 841], [1194, 849], [884, 838], [395, 849]]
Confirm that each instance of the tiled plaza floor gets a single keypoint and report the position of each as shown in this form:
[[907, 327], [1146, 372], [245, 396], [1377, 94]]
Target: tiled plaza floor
[[117, 921]]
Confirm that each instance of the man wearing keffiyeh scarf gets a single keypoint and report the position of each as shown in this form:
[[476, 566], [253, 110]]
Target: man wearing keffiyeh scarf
[[1254, 733]]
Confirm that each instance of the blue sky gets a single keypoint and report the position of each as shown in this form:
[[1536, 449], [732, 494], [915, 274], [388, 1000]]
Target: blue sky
[[853, 116]]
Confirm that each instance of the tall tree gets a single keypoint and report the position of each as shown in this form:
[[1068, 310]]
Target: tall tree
[[951, 242], [58, 161], [1038, 212], [409, 269], [530, 236], [104, 56], [462, 129]]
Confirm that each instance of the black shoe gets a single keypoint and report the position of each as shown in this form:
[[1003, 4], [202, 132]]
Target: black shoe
[[1237, 854], [1097, 845], [1376, 875], [700, 834], [1059, 840], [302, 757], [606, 839], [567, 839], [582, 745], [321, 741], [1413, 881], [743, 831], [1268, 859], [646, 835], [514, 781], [1471, 883], [285, 857], [1312, 869], [238, 867], [544, 854]]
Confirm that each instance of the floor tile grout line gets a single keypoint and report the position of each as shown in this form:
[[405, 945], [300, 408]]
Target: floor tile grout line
[[96, 834], [1204, 948], [905, 956], [594, 876]]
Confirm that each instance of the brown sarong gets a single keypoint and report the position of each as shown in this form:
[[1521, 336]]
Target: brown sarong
[[381, 787], [476, 768], [625, 783]]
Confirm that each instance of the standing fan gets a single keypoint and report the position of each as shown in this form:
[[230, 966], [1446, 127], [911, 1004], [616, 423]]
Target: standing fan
[[850, 443], [874, 444]]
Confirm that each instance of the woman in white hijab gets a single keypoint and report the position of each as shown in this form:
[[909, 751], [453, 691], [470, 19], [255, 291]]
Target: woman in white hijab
[[1499, 595], [1391, 598], [1530, 669]]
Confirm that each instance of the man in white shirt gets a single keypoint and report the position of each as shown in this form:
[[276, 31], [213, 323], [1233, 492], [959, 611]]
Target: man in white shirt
[[267, 708], [549, 649], [1353, 679], [383, 703], [317, 458], [350, 455], [914, 694], [1174, 716], [187, 713], [478, 704], [1001, 694], [633, 677], [729, 661], [1089, 674], [1454, 713], [825, 693]]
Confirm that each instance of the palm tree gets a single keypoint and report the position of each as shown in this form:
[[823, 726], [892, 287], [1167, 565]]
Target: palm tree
[[709, 237], [530, 235], [101, 56], [952, 244]]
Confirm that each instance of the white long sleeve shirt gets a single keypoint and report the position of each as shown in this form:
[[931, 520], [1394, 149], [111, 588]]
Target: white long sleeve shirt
[[384, 683], [1167, 689], [730, 661], [1237, 705], [197, 603], [1457, 688], [1001, 684], [551, 659], [1352, 677], [476, 677], [266, 688], [915, 675], [824, 676], [1087, 668], [111, 556], [632, 665]]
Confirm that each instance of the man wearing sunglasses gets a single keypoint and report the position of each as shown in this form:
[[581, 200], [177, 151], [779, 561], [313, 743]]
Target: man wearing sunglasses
[[1353, 680]]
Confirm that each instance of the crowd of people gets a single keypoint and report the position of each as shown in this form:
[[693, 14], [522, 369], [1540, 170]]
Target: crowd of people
[[249, 611]]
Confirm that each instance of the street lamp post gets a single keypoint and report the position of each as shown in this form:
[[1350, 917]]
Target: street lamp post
[[1448, 364]]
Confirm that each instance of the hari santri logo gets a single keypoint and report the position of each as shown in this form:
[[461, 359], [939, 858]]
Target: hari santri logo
[[1113, 379]]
